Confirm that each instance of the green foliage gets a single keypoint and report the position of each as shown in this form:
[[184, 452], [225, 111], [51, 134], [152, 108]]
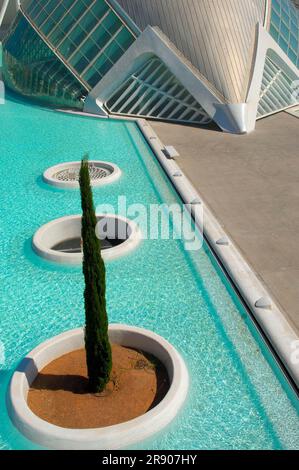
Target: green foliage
[[98, 349]]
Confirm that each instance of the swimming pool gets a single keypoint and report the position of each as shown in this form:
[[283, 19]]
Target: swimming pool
[[238, 397]]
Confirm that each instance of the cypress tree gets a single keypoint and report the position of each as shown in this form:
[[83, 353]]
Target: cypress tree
[[98, 349]]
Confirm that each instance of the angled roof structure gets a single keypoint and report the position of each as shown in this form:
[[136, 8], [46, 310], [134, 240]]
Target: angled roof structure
[[216, 37], [228, 61]]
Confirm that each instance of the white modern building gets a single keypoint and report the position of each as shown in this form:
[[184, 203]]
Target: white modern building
[[230, 62]]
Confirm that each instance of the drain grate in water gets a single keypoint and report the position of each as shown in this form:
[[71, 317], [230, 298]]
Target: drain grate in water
[[66, 175], [72, 174]]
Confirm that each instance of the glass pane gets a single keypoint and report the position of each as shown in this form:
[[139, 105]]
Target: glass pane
[[114, 52], [31, 68], [124, 39], [100, 36], [102, 64], [82, 31]]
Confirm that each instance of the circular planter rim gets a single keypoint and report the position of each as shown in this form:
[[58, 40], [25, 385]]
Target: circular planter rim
[[49, 179], [76, 258], [111, 437]]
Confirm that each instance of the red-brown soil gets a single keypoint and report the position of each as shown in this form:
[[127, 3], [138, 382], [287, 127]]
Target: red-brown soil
[[60, 394]]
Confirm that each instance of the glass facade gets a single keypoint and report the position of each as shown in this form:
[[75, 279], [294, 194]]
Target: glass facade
[[284, 28], [32, 69], [87, 34], [277, 90], [153, 91]]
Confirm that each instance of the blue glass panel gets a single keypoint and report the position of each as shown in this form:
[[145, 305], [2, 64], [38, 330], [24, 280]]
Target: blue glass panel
[[294, 28], [285, 31], [294, 42], [276, 6], [274, 33], [86, 33], [283, 44], [276, 19], [32, 69], [285, 16], [284, 27]]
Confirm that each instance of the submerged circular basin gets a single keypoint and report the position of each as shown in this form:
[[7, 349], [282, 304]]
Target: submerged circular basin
[[60, 240]]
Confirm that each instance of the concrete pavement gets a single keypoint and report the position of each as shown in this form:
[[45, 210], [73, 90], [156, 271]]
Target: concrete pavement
[[251, 183]]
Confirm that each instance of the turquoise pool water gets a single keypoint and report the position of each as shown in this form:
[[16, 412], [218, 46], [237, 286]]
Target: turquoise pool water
[[238, 398]]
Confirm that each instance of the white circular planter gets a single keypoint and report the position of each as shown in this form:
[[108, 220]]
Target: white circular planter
[[66, 175], [111, 437], [60, 231]]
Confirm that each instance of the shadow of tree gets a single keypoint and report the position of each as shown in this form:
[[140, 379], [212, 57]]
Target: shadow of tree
[[69, 383]]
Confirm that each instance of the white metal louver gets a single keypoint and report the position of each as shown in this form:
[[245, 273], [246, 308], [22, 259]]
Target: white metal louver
[[154, 92], [277, 92]]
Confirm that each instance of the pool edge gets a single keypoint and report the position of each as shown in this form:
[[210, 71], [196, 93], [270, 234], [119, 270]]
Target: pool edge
[[268, 315]]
